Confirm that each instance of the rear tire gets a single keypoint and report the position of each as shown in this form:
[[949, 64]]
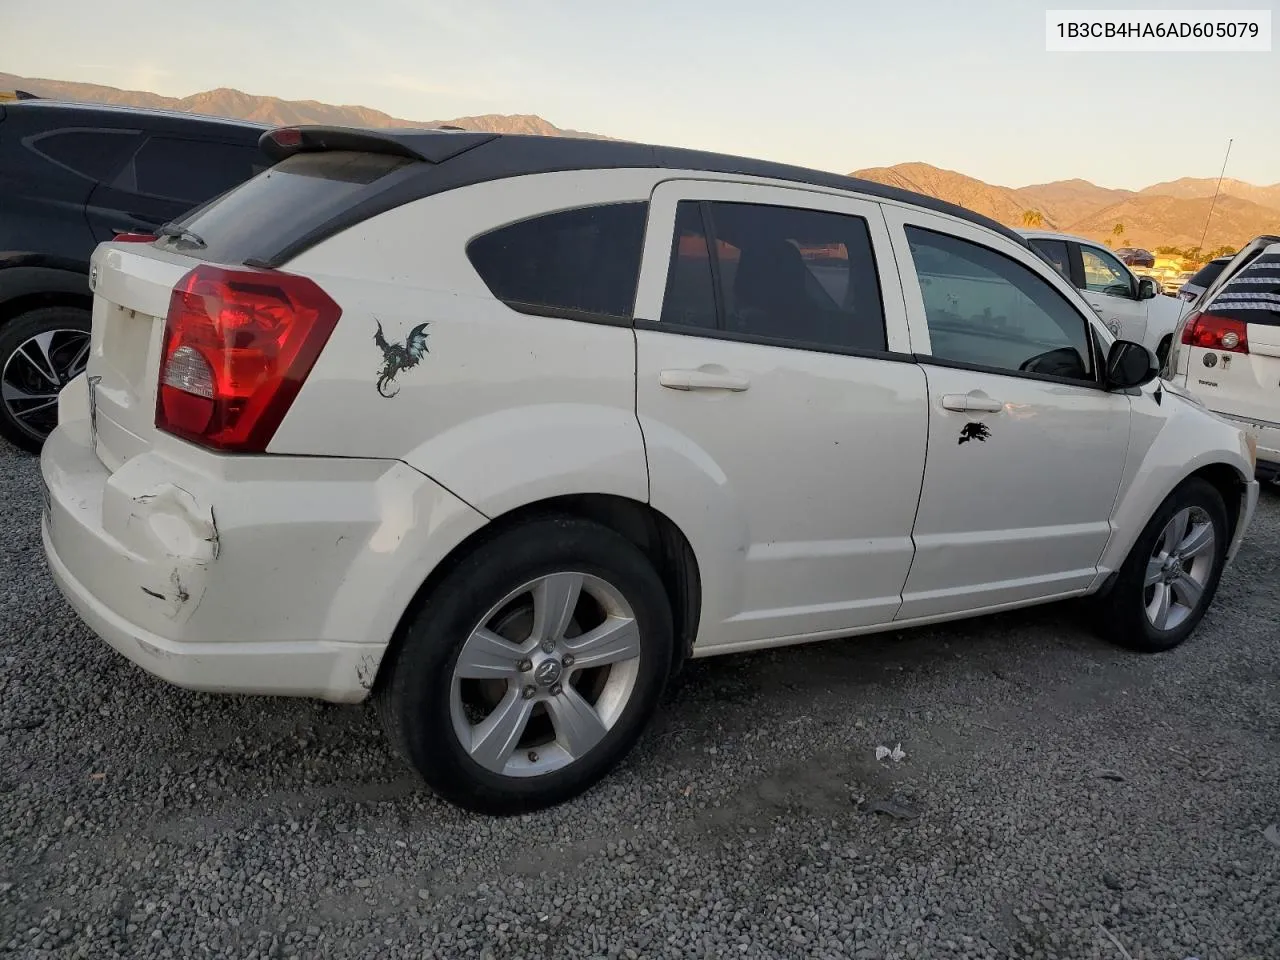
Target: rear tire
[[1167, 582], [40, 352], [497, 693]]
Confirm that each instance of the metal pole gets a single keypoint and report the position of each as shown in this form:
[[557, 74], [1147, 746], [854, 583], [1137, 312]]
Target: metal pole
[[1215, 196]]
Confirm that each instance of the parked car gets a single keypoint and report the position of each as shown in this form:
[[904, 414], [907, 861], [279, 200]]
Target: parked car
[[72, 175], [1136, 257], [500, 429], [1191, 289], [1131, 307], [1228, 352]]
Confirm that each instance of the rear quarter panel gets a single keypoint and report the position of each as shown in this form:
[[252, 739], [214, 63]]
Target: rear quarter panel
[[505, 408]]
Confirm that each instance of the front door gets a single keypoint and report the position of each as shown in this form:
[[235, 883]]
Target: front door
[[1026, 450], [1112, 291], [783, 416]]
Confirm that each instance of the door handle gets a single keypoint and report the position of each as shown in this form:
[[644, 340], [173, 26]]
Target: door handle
[[968, 403], [703, 380]]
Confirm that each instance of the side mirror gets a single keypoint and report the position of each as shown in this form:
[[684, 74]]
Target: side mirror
[[1130, 365], [1146, 288]]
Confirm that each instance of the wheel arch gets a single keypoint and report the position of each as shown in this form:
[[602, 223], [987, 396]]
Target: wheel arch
[[28, 284], [656, 535]]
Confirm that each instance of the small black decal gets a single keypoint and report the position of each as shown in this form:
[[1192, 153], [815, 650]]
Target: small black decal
[[974, 431], [399, 357]]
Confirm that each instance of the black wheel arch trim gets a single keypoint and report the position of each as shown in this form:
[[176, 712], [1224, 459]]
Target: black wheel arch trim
[[26, 275]]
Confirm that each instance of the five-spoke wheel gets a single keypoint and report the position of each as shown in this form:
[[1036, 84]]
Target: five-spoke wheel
[[530, 670], [1164, 587]]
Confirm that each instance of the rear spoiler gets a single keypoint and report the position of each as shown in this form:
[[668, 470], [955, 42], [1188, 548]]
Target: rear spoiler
[[429, 145]]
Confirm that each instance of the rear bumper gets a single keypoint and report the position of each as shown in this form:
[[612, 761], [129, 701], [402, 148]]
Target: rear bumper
[[268, 575]]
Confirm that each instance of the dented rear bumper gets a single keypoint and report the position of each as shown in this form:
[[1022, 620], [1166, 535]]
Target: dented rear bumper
[[272, 575]]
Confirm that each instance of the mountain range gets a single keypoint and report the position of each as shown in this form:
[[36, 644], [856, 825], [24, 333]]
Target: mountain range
[[1171, 213]]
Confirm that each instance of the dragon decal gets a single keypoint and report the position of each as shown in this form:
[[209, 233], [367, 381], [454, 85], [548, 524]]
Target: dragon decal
[[398, 357], [974, 431]]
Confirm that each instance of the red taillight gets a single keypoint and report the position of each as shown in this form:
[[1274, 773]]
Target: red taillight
[[238, 345], [1212, 332], [134, 238]]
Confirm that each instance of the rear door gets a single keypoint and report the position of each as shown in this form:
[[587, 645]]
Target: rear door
[[165, 178], [783, 416]]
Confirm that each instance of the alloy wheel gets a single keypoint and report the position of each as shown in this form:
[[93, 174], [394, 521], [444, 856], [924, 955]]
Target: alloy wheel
[[34, 373], [1179, 568], [545, 675]]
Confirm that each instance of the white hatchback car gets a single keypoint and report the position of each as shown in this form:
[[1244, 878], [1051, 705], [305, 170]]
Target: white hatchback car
[[1228, 350], [500, 429]]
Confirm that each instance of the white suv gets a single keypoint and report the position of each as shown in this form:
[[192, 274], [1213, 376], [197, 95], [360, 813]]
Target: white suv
[[500, 429], [1130, 306], [1228, 350]]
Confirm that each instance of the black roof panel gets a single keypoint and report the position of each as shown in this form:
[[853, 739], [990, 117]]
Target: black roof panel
[[107, 114], [497, 156]]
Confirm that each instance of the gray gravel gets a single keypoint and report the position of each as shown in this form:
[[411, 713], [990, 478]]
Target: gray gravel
[[1058, 798]]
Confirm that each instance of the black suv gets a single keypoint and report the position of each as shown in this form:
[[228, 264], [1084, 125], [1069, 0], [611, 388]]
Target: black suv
[[71, 176]]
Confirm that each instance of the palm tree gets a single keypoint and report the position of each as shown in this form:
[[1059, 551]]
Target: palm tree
[[1032, 218], [1118, 230]]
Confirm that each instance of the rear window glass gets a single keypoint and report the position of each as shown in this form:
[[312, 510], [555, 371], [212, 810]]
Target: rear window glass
[[1208, 273], [1253, 294], [288, 201], [584, 260], [189, 171], [96, 154]]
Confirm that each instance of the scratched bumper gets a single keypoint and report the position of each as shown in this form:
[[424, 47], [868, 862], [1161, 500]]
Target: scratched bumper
[[248, 575]]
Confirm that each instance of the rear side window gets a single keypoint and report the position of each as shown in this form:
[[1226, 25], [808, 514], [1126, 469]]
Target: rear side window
[[189, 171], [785, 275], [585, 260], [295, 197], [96, 154]]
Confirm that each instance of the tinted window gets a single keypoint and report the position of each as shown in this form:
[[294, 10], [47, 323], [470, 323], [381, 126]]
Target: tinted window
[[784, 274], [287, 202], [984, 308], [690, 299], [582, 260], [96, 154], [1253, 294], [189, 171], [1055, 251], [1208, 273], [1103, 273]]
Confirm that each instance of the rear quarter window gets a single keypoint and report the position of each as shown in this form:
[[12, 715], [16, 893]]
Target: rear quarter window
[[583, 261], [95, 154], [189, 171]]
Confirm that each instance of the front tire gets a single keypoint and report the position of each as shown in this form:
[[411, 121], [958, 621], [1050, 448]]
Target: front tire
[[1171, 575], [531, 669]]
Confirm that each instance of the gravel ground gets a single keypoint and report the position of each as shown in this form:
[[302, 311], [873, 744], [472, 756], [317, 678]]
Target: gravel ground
[[1058, 798]]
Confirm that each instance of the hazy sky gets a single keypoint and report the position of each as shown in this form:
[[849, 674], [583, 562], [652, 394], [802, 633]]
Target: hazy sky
[[833, 85]]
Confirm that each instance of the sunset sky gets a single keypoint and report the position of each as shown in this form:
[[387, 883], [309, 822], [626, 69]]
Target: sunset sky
[[833, 85]]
